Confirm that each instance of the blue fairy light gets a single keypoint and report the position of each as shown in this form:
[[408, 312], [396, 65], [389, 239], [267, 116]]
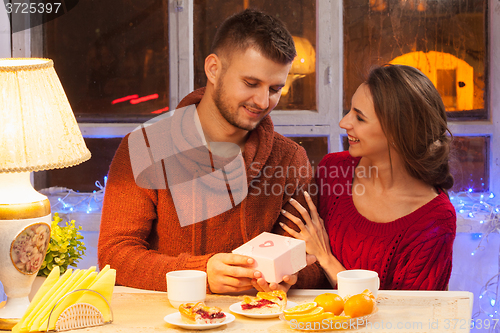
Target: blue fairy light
[[475, 235]]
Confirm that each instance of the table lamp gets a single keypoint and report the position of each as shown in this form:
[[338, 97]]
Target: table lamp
[[38, 131], [303, 64]]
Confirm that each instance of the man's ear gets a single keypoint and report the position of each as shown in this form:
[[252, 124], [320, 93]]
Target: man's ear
[[213, 66]]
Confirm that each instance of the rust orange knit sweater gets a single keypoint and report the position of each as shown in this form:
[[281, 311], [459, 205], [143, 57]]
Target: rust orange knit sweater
[[141, 236]]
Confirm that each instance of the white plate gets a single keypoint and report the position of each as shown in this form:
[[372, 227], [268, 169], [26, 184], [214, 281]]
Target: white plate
[[175, 319], [331, 325], [236, 308]]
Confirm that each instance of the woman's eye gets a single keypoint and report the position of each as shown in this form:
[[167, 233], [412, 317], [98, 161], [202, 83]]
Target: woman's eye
[[359, 118]]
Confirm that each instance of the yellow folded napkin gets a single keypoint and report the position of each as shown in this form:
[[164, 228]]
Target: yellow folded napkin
[[55, 288]]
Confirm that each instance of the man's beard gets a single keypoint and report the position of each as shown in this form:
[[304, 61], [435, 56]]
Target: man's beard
[[225, 111]]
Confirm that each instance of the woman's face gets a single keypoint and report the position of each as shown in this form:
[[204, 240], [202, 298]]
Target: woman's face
[[366, 138]]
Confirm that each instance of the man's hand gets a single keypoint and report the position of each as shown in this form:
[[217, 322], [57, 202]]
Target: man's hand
[[261, 284], [229, 272]]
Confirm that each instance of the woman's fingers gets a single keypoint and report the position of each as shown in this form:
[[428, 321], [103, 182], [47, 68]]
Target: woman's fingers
[[310, 203], [301, 210], [294, 219], [292, 232]]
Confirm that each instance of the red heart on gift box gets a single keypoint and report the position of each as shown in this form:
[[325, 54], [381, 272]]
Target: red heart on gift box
[[267, 244]]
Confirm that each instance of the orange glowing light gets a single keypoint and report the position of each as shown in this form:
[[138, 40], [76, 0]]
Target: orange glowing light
[[124, 99], [456, 88], [143, 99]]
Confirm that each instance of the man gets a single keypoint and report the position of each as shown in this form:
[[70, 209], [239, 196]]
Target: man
[[141, 234]]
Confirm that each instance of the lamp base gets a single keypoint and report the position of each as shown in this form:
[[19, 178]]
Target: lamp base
[[8, 324], [9, 314], [24, 238], [13, 307]]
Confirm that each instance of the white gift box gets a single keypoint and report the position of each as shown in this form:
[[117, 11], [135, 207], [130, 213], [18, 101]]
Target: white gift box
[[275, 255]]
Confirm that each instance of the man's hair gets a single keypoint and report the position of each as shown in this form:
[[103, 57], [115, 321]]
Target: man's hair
[[251, 28]]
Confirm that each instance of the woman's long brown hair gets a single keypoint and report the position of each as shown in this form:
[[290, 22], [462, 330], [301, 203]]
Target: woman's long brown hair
[[413, 118]]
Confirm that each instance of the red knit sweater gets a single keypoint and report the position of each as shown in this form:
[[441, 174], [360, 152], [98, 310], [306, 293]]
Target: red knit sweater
[[410, 253], [141, 236]]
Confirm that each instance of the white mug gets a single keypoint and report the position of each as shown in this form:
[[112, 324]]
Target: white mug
[[355, 281], [187, 286]]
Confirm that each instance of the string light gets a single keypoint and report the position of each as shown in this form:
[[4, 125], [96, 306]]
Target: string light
[[482, 209], [70, 201]]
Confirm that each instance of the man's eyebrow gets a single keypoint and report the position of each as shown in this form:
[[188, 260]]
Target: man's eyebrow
[[359, 112], [252, 78], [281, 85]]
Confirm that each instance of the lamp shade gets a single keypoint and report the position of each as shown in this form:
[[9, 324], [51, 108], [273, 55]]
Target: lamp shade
[[38, 130]]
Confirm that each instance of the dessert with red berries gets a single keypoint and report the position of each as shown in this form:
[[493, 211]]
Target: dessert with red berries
[[265, 302], [199, 313]]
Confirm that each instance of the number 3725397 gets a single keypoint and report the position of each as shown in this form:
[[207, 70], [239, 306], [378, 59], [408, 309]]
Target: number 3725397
[[32, 8], [473, 323]]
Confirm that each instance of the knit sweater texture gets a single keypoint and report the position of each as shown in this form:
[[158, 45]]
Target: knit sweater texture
[[141, 236], [413, 252]]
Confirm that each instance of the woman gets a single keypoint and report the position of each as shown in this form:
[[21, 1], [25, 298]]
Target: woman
[[384, 203]]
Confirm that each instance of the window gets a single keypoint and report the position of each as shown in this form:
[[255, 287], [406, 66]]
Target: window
[[446, 40], [158, 48], [112, 59]]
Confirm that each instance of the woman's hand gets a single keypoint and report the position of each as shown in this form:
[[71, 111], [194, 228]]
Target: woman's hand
[[312, 232]]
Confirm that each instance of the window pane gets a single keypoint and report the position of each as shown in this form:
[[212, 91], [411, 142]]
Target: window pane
[[444, 39], [316, 147], [82, 177], [112, 58], [468, 162], [300, 19]]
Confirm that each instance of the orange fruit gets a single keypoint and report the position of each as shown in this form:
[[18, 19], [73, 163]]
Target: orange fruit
[[331, 303], [333, 317], [301, 308], [305, 316], [315, 317], [359, 305], [369, 293]]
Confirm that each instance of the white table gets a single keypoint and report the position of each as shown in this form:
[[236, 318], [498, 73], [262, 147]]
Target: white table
[[138, 310]]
